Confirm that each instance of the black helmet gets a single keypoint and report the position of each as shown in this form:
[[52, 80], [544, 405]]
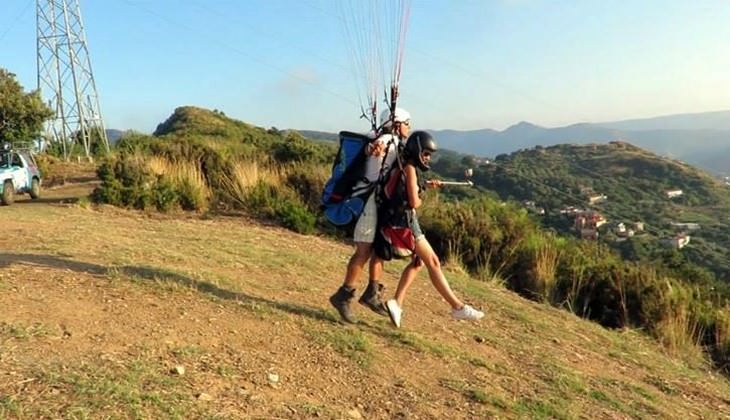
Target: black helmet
[[418, 143]]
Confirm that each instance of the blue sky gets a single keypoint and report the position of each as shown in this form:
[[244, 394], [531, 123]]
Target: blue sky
[[468, 64]]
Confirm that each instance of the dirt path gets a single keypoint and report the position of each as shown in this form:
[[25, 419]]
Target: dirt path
[[117, 313]]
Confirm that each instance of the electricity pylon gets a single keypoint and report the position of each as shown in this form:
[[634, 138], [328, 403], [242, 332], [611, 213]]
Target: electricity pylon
[[65, 78]]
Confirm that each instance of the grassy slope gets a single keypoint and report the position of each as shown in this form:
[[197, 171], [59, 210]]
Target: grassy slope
[[99, 305], [634, 181]]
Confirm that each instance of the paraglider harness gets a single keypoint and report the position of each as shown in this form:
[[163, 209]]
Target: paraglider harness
[[348, 189], [343, 201], [394, 237]]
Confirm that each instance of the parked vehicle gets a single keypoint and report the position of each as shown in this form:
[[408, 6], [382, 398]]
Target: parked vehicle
[[19, 174]]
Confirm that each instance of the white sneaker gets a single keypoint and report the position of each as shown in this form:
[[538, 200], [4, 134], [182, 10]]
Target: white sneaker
[[394, 312], [467, 313]]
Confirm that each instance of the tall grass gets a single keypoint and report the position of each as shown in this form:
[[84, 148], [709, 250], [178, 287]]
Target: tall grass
[[248, 174], [187, 179], [453, 259], [681, 334], [544, 256], [722, 338]]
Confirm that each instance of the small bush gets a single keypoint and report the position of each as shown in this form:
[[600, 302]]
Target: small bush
[[165, 196], [295, 216], [126, 182], [192, 195], [308, 181]]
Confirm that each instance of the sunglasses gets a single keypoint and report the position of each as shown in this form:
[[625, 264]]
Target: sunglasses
[[407, 123]]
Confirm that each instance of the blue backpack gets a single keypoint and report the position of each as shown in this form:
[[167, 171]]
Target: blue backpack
[[342, 204]]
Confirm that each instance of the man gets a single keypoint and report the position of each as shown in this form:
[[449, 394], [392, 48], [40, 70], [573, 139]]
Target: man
[[382, 153]]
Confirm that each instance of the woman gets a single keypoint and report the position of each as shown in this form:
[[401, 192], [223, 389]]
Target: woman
[[417, 157]]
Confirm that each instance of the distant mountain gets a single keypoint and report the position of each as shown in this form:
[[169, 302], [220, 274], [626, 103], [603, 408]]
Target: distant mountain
[[317, 135], [701, 139], [718, 120], [114, 135]]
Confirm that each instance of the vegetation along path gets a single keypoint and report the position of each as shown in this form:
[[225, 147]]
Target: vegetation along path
[[115, 313]]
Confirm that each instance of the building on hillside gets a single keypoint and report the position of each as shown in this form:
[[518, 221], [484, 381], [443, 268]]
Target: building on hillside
[[586, 190], [533, 208], [638, 226], [679, 241], [588, 234], [622, 231], [685, 226], [590, 219], [597, 198], [587, 223], [570, 210], [673, 193]]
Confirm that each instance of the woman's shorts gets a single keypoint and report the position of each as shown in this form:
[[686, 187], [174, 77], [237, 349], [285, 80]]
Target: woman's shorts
[[416, 228]]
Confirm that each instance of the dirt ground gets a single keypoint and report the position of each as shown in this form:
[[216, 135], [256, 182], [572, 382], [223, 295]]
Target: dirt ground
[[110, 313]]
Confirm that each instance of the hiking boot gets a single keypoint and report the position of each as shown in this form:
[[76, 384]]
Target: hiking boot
[[394, 312], [467, 313], [341, 301], [371, 298]]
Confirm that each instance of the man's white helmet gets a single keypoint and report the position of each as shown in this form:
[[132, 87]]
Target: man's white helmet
[[401, 115]]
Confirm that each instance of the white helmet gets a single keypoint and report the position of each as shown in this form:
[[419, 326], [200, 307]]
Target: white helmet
[[401, 115]]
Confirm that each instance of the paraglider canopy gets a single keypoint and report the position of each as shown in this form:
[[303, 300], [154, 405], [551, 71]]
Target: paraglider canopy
[[375, 32]]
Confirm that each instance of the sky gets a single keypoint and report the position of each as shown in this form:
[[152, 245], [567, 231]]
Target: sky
[[468, 64]]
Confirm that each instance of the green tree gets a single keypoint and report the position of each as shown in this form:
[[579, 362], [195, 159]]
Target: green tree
[[21, 114]]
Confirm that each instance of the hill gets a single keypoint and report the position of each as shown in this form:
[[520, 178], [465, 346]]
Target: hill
[[232, 321], [695, 138], [716, 120], [318, 135], [635, 182]]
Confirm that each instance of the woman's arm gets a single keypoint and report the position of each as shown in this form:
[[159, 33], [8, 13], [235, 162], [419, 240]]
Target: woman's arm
[[412, 186]]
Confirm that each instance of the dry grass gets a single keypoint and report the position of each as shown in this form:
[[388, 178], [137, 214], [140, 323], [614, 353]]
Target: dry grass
[[545, 268], [185, 175], [248, 174], [680, 333], [722, 334]]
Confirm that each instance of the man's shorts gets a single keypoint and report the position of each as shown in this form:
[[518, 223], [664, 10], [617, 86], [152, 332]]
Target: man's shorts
[[367, 223]]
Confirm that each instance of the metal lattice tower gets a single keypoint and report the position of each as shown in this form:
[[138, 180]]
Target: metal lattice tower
[[65, 78]]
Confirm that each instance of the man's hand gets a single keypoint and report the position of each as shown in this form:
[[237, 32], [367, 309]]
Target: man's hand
[[376, 149]]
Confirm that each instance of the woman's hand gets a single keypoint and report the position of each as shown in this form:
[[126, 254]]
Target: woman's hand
[[433, 183]]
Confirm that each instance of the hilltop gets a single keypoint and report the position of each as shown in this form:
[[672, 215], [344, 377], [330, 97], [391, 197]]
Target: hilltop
[[111, 312]]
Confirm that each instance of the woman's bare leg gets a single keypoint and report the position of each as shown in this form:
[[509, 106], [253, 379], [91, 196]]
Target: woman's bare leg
[[406, 279], [431, 260]]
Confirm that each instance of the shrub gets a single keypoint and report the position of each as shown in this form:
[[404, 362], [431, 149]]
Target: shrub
[[295, 216], [308, 181], [192, 193], [126, 182], [165, 196]]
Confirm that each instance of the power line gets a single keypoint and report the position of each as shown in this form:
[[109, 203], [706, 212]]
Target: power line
[[16, 19], [232, 48]]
